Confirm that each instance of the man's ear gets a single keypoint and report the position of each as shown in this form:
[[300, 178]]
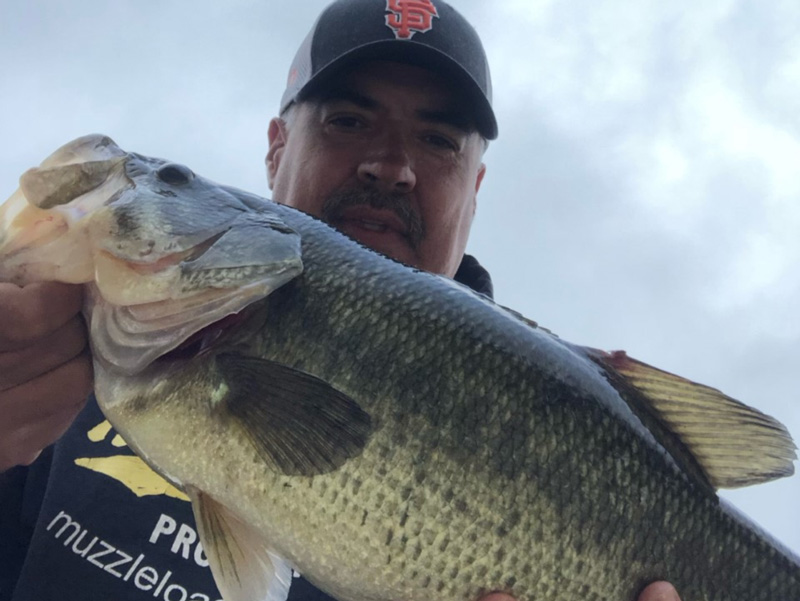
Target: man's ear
[[478, 180], [277, 143]]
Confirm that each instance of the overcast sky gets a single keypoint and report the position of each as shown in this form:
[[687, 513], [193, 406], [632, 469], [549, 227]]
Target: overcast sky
[[644, 193]]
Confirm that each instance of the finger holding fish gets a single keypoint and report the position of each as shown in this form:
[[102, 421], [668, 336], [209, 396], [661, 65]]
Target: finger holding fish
[[45, 373], [29, 428], [32, 359], [32, 312], [657, 591]]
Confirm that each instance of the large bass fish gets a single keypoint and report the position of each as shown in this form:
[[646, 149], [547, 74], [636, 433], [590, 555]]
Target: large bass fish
[[389, 434]]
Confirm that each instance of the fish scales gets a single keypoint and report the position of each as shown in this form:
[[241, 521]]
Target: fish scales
[[578, 493], [498, 457], [486, 472]]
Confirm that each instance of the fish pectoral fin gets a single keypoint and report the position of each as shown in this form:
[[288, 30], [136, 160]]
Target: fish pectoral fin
[[299, 424], [735, 445], [243, 565]]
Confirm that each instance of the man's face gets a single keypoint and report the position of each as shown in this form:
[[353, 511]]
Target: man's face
[[386, 157]]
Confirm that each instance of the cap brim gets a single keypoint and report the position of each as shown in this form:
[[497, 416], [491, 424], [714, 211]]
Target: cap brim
[[418, 54]]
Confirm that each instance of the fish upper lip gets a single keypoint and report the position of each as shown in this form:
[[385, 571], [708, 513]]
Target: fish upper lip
[[384, 217]]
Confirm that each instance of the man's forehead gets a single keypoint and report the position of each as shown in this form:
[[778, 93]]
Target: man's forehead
[[365, 85]]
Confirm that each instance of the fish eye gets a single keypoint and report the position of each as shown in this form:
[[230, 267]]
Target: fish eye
[[174, 173]]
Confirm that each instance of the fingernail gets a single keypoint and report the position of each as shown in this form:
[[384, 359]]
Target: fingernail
[[663, 591]]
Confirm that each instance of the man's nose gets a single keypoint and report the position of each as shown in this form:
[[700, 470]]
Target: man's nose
[[388, 165]]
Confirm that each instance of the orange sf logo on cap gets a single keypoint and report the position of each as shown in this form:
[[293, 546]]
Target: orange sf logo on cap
[[409, 17]]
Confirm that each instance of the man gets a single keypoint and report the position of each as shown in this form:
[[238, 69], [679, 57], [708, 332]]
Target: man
[[382, 130]]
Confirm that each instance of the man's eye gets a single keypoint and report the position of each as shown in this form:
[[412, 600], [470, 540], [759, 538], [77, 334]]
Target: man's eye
[[440, 141], [347, 122]]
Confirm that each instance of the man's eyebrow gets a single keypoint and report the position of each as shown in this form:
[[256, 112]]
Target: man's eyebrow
[[348, 95], [452, 117]]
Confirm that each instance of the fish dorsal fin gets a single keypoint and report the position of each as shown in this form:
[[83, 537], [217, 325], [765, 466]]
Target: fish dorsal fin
[[244, 567], [299, 424], [735, 445], [527, 321]]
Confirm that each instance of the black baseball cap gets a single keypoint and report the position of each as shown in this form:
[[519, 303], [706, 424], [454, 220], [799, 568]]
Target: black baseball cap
[[426, 33]]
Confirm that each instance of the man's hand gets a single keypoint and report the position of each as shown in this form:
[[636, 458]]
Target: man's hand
[[658, 591], [45, 371]]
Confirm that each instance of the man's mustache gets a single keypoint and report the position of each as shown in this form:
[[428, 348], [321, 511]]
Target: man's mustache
[[335, 205]]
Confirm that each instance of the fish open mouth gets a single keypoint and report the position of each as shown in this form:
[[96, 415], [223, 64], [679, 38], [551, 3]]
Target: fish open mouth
[[170, 260]]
